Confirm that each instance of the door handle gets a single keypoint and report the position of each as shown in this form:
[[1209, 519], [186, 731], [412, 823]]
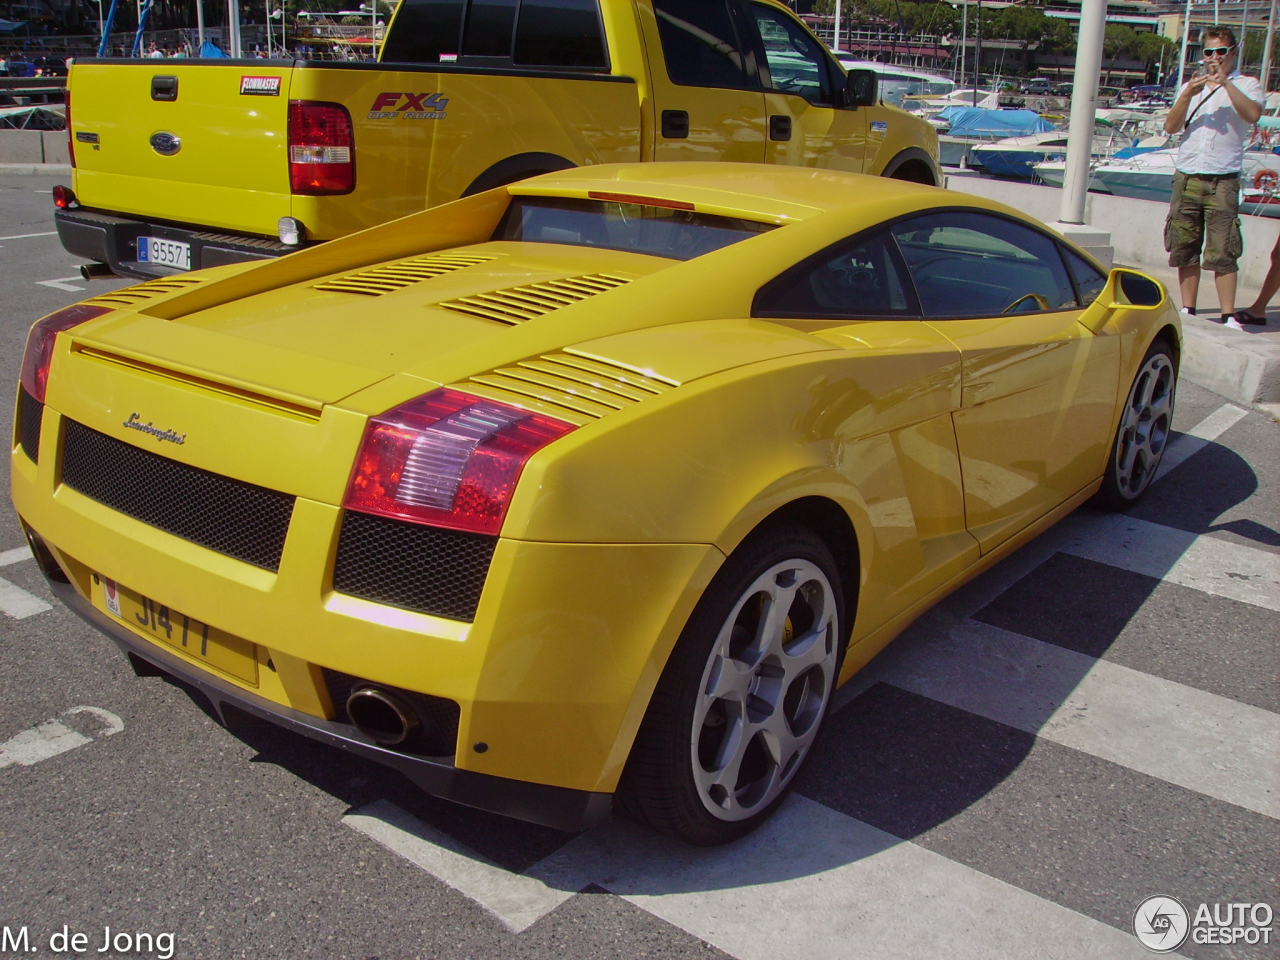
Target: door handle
[[164, 88], [675, 124], [779, 127]]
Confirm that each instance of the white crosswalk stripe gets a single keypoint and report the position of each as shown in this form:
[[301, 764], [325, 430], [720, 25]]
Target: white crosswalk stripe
[[1170, 731], [815, 883]]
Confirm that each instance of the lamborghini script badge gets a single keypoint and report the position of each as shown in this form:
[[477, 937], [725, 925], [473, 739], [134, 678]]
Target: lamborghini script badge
[[135, 423]]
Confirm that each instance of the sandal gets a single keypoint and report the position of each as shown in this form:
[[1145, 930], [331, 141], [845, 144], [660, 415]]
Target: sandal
[[1244, 316]]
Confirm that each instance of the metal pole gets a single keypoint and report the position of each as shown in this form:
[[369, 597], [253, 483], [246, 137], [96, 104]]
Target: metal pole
[[1244, 36], [1186, 32], [233, 27], [1215, 12], [837, 33], [199, 26], [1266, 49], [964, 39], [104, 45], [977, 54], [1084, 91]]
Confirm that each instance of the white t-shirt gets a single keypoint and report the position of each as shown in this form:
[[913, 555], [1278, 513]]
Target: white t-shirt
[[1214, 140]]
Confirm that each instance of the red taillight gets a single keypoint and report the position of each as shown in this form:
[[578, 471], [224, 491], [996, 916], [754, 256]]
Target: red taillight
[[64, 198], [447, 459], [322, 149], [35, 361], [71, 140]]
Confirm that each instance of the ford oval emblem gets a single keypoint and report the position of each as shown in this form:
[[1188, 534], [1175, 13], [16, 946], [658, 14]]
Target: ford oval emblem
[[165, 144]]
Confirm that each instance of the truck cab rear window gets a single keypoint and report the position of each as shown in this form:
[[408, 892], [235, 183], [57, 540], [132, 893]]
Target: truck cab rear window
[[555, 34], [655, 231]]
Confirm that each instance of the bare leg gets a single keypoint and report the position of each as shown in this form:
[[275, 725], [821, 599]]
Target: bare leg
[[1269, 286], [1189, 285], [1226, 284]]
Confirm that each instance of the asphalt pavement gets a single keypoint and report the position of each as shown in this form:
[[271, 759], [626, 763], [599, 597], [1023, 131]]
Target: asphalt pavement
[[1091, 723]]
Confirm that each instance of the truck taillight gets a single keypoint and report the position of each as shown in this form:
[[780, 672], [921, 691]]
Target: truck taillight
[[39, 352], [71, 139], [322, 149], [447, 459]]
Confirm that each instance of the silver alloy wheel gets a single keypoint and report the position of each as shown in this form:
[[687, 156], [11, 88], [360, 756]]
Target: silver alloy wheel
[[764, 689], [1144, 426]]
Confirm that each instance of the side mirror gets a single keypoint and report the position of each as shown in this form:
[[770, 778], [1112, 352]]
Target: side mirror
[[1125, 290], [1135, 290], [861, 88]]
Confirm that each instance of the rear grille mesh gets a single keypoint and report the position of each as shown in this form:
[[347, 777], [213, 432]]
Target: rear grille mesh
[[439, 715], [30, 414], [239, 519], [586, 386], [412, 566], [396, 276], [518, 304], [129, 296]]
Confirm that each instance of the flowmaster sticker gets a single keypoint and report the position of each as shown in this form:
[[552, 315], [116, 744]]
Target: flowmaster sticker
[[259, 86]]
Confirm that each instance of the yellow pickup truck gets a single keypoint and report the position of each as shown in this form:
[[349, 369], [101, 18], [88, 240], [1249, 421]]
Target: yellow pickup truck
[[191, 164]]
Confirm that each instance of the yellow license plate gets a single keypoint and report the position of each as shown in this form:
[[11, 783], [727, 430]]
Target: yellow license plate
[[196, 639]]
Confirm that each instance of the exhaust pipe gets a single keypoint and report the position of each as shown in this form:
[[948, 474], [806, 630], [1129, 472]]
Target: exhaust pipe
[[96, 271], [383, 716]]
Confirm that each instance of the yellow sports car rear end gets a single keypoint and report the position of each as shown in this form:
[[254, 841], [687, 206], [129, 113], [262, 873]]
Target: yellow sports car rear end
[[455, 492]]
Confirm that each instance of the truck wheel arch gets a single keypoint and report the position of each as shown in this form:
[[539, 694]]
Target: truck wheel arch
[[520, 167], [914, 165]]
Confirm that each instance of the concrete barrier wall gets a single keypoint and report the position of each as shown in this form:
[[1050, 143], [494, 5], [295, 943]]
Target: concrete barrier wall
[[1137, 226], [21, 146], [33, 146]]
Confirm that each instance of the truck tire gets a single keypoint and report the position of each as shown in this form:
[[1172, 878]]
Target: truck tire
[[520, 167]]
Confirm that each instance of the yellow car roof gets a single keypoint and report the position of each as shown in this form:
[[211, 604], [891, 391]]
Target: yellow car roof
[[753, 191]]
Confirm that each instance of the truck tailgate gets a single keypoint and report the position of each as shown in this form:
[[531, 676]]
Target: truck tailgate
[[230, 169]]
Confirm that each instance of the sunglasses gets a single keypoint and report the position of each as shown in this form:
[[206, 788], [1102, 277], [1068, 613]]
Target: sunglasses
[[1216, 51]]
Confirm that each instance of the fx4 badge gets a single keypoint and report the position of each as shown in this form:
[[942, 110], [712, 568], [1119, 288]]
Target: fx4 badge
[[417, 106]]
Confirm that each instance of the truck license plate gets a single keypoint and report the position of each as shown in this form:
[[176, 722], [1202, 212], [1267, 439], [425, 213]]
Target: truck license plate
[[166, 253]]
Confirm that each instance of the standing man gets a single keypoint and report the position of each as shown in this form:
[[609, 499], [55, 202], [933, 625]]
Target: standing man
[[1216, 110]]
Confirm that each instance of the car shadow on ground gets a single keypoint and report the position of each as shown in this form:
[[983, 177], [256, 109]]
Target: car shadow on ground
[[897, 761]]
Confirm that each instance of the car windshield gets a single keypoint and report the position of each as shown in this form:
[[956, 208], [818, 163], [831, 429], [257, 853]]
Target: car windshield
[[634, 227]]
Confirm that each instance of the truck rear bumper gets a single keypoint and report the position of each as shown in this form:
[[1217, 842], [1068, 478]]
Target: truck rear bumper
[[113, 240]]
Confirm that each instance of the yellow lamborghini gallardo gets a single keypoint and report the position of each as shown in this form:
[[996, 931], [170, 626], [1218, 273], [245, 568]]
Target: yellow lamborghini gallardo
[[588, 490]]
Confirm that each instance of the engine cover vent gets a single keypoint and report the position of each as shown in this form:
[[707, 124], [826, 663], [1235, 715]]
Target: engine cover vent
[[515, 305], [396, 276], [128, 296], [568, 386]]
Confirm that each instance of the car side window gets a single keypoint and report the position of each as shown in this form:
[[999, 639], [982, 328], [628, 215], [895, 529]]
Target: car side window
[[560, 33], [425, 31], [972, 264], [1090, 281], [700, 44], [795, 61], [855, 280]]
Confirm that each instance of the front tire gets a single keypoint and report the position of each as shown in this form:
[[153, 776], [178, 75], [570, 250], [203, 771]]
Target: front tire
[[739, 705], [1143, 433]]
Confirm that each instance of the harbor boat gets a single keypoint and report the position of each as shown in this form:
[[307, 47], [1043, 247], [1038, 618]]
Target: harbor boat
[[1020, 156], [1149, 176], [1053, 172], [970, 127]]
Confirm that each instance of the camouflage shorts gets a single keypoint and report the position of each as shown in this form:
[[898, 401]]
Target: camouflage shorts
[[1204, 213]]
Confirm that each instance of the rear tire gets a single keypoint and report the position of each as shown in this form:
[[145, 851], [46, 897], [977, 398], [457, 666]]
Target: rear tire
[[740, 703], [1143, 433]]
